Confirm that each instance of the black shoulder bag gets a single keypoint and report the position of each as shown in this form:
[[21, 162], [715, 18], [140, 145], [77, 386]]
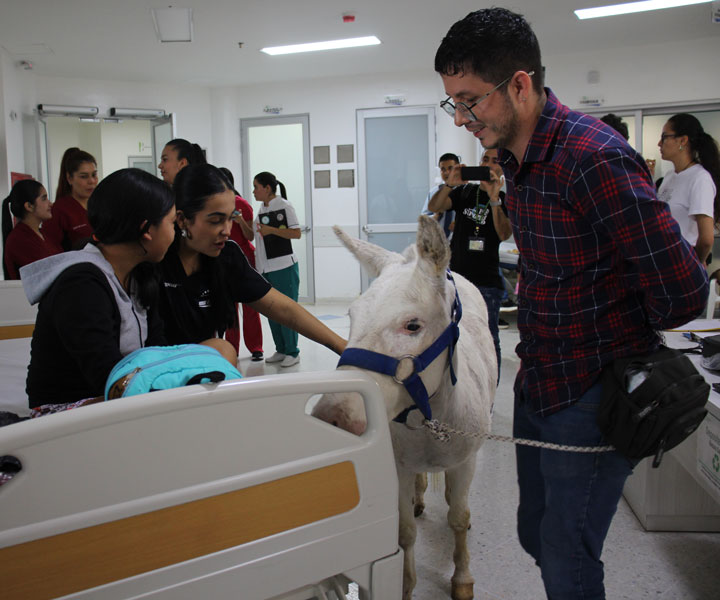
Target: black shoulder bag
[[657, 414]]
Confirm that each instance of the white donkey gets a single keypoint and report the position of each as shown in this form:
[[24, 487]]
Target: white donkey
[[411, 307]]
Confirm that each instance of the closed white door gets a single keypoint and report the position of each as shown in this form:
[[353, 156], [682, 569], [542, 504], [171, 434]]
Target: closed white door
[[396, 167]]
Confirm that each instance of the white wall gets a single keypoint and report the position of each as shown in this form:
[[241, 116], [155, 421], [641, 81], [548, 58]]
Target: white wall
[[190, 104], [62, 133], [120, 140], [653, 74], [332, 106], [16, 99], [679, 72], [110, 143], [640, 75]]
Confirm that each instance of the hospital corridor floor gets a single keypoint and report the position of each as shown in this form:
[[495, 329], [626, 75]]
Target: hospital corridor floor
[[638, 564]]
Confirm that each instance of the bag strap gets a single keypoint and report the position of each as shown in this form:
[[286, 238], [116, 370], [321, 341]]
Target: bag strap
[[213, 376]]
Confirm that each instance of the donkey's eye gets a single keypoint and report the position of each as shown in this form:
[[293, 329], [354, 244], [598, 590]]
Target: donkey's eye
[[413, 326]]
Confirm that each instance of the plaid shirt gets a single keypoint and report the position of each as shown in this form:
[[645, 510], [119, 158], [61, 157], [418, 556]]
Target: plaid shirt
[[603, 263]]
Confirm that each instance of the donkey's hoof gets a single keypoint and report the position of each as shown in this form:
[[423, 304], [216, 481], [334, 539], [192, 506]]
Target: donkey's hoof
[[462, 591], [419, 509]]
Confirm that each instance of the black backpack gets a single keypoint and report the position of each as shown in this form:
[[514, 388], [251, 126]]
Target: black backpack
[[660, 412]]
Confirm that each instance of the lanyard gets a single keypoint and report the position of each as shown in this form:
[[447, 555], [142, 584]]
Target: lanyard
[[479, 219]]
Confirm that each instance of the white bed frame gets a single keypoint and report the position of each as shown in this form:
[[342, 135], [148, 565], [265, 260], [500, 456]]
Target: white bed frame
[[210, 491], [17, 317], [17, 321]]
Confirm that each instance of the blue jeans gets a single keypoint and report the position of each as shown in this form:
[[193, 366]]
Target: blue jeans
[[567, 499], [493, 300]]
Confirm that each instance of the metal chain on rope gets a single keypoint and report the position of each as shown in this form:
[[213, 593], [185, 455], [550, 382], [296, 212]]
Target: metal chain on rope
[[442, 433]]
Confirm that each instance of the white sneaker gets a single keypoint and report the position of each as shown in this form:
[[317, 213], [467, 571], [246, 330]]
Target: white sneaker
[[277, 357], [289, 361]]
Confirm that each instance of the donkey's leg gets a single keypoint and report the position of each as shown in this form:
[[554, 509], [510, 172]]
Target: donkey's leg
[[447, 489], [459, 480], [406, 481], [421, 482]]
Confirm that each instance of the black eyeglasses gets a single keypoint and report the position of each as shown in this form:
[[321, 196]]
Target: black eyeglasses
[[464, 109], [664, 136]]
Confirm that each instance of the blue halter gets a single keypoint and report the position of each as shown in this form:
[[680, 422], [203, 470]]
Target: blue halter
[[388, 365]]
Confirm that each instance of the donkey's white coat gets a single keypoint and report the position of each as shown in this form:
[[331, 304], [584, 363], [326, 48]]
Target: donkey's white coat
[[404, 310]]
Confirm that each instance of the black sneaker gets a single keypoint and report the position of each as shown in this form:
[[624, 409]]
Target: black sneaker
[[502, 324], [257, 356]]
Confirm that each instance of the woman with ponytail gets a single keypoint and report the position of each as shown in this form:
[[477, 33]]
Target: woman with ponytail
[[25, 243], [176, 155], [276, 224], [69, 226], [691, 189]]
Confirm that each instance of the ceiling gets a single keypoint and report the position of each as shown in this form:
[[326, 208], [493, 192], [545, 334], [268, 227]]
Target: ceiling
[[115, 39]]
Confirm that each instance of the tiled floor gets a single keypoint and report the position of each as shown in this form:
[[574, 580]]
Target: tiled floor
[[638, 564]]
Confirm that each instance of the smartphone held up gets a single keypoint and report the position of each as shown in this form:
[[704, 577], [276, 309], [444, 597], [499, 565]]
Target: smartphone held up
[[475, 173]]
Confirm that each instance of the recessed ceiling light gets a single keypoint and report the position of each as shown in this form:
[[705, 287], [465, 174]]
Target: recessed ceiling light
[[315, 46], [173, 24], [632, 7]]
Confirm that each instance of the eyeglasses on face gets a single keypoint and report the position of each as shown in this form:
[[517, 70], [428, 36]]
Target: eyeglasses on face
[[664, 136], [464, 109]]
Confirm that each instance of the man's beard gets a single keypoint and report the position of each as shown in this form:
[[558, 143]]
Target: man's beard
[[506, 131]]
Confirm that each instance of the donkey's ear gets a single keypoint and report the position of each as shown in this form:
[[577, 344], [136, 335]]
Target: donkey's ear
[[432, 247], [373, 258]]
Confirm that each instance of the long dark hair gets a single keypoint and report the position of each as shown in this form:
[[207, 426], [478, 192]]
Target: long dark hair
[[266, 178], [231, 180], [70, 163], [187, 150], [117, 209], [193, 186], [703, 149], [26, 190]]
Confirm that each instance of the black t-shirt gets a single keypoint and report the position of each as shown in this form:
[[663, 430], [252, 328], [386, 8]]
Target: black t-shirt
[[481, 264], [76, 341], [185, 301]]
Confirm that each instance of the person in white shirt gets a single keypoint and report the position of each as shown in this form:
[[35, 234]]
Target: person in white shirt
[[275, 225], [691, 188], [446, 219]]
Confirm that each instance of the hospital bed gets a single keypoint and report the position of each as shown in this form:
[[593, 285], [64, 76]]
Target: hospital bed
[[210, 491], [227, 490]]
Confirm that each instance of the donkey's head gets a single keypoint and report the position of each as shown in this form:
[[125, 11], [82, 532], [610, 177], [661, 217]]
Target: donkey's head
[[401, 314]]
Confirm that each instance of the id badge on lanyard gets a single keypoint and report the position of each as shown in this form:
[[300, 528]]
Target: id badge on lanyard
[[476, 244]]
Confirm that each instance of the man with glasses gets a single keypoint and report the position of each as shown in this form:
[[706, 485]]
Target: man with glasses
[[604, 268]]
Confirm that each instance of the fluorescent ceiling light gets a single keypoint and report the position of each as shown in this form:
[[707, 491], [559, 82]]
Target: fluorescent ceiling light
[[315, 46], [173, 24], [632, 7], [61, 109]]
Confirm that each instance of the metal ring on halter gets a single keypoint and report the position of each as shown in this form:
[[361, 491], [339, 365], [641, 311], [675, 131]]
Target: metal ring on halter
[[415, 427], [410, 357]]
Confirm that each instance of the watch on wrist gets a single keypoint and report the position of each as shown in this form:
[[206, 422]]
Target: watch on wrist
[[497, 202]]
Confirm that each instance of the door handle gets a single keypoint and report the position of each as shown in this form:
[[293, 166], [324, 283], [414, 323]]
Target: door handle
[[305, 228], [367, 229]]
